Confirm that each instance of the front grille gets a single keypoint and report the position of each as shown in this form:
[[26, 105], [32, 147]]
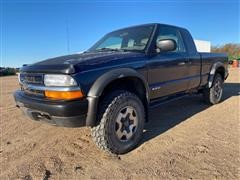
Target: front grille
[[33, 91], [27, 78]]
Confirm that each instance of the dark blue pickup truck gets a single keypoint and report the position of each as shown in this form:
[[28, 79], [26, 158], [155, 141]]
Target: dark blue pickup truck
[[112, 86]]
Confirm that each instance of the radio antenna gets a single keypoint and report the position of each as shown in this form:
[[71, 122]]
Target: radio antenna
[[67, 33]]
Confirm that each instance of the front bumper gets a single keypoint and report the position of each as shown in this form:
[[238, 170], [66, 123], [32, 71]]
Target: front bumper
[[60, 113]]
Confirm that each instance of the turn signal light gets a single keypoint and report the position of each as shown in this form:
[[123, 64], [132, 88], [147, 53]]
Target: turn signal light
[[64, 95]]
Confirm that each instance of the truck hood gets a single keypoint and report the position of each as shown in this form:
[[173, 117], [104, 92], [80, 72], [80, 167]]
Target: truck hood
[[74, 63]]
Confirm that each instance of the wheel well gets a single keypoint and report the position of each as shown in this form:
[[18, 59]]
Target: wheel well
[[221, 71], [131, 84]]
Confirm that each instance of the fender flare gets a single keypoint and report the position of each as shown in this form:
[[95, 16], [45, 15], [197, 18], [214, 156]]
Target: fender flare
[[99, 85], [214, 67]]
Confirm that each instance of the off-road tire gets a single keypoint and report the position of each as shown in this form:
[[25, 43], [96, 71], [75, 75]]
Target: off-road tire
[[210, 95], [104, 133]]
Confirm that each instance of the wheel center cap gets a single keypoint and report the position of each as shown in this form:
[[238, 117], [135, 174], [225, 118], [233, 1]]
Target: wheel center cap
[[126, 123]]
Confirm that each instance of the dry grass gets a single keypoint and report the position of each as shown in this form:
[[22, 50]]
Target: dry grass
[[184, 139]]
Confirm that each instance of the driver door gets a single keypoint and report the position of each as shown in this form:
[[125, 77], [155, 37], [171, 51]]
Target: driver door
[[168, 71]]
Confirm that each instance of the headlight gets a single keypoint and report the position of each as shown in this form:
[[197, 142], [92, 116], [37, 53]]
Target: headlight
[[19, 78], [59, 80]]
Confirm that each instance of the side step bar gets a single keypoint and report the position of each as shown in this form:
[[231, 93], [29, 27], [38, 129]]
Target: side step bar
[[164, 100]]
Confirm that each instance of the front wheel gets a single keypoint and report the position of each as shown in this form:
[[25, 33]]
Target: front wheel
[[122, 122], [213, 95]]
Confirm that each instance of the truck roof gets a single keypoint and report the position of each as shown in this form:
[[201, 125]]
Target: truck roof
[[147, 24]]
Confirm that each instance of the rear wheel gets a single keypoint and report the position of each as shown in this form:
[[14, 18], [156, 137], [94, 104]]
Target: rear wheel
[[122, 121], [213, 95]]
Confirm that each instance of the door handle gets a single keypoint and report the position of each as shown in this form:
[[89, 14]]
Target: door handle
[[184, 62], [181, 63]]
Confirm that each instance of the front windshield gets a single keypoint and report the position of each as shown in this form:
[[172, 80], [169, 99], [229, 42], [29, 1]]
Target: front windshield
[[129, 39]]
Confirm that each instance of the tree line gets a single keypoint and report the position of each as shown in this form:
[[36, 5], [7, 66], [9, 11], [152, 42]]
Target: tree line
[[8, 71], [233, 50]]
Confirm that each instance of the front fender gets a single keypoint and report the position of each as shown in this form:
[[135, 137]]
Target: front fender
[[99, 85]]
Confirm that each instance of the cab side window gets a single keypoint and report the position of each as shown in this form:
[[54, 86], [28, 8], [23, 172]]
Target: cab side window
[[174, 34]]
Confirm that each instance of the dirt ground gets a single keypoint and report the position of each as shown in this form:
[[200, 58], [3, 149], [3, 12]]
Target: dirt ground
[[185, 139]]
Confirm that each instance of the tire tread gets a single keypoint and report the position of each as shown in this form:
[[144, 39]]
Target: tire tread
[[98, 132]]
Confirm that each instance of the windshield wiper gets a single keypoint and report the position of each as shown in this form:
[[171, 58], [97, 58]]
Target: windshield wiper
[[109, 49]]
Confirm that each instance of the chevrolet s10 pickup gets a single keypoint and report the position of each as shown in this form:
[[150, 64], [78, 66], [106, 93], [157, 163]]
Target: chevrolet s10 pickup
[[112, 86]]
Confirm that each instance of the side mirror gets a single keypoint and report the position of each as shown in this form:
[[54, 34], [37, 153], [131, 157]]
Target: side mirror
[[165, 45]]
